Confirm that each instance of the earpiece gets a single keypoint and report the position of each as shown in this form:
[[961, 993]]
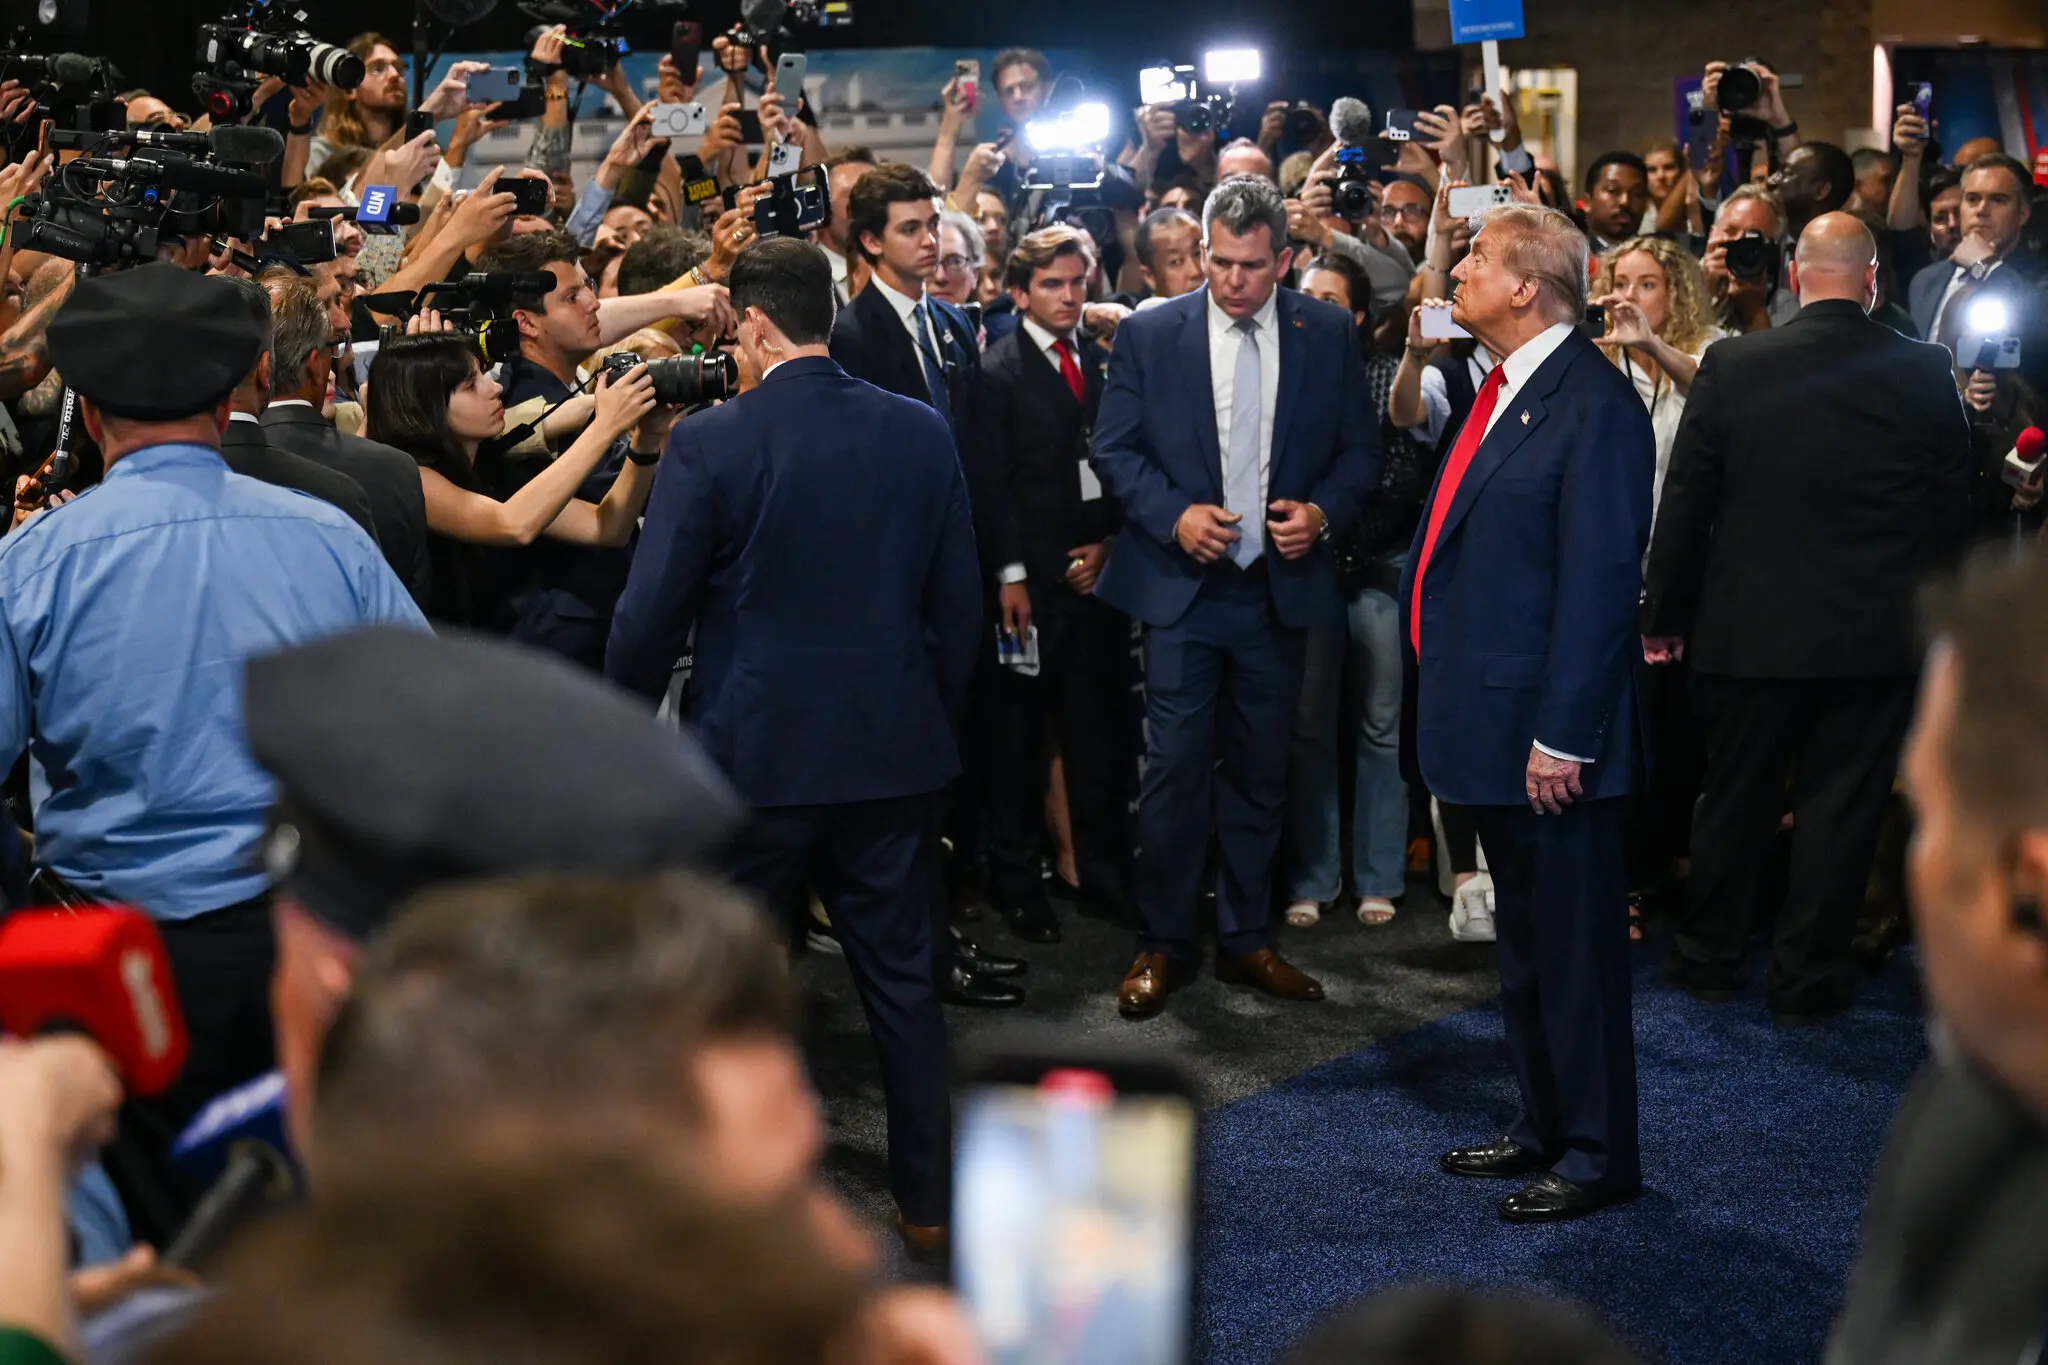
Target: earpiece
[[2027, 918]]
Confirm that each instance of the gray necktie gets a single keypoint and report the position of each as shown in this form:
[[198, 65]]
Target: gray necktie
[[1241, 478]]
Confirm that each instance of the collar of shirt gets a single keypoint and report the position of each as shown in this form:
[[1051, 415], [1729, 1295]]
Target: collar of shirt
[[291, 402], [245, 417], [1044, 339], [1267, 317], [901, 302], [160, 457], [1517, 368], [836, 261]]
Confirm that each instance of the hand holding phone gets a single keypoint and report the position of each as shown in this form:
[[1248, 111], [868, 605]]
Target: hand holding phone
[[1400, 125], [678, 120], [1434, 321], [1473, 201], [495, 86]]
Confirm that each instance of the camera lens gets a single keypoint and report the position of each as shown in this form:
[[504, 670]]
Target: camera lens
[[1748, 256], [1740, 88], [1303, 124], [1192, 115], [686, 380], [336, 66]]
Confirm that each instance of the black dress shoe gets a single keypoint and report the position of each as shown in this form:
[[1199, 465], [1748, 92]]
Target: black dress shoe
[[984, 961], [961, 986], [1060, 889], [1497, 1158], [1550, 1198], [1032, 922], [1824, 1001], [1703, 981]]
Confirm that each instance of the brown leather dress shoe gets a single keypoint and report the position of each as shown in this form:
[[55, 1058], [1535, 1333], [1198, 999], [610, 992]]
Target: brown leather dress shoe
[[926, 1246], [1270, 973], [1152, 978]]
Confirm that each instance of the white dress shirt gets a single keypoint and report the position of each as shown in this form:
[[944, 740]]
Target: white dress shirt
[[838, 264], [245, 417], [906, 308], [291, 402], [1515, 372], [1224, 341], [1044, 341], [1959, 277]]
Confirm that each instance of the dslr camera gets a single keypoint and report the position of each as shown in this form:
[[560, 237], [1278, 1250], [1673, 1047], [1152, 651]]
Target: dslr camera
[[1753, 257], [480, 303], [682, 381], [259, 40], [601, 33], [765, 23]]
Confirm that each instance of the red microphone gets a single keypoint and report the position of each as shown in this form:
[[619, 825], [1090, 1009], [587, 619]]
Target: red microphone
[[2023, 464], [100, 971]]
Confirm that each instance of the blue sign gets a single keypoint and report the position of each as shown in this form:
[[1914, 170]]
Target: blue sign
[[1485, 21], [376, 205]]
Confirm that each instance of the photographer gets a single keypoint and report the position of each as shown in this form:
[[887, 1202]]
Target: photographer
[[1384, 258], [430, 397], [1767, 110], [1753, 299], [593, 224]]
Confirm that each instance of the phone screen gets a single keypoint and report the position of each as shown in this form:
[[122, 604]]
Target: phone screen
[[750, 127], [1073, 1220], [1923, 99]]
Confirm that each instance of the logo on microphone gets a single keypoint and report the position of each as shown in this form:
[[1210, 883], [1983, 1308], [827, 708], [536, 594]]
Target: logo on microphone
[[139, 976], [376, 205]]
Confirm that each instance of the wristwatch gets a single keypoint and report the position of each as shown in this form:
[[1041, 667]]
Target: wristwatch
[[300, 129], [644, 458], [1324, 532], [1787, 130]]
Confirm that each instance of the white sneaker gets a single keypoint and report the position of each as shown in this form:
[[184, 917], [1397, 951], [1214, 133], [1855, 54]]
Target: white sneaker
[[821, 937], [1472, 911]]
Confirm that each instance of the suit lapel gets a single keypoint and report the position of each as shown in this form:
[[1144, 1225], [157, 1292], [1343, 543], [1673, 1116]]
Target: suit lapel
[[1201, 390], [1520, 416], [1042, 373], [882, 319], [1293, 356]]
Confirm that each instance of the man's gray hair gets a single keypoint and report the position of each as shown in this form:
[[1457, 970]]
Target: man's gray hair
[[1547, 248], [970, 233], [1245, 202], [1764, 195], [302, 327]]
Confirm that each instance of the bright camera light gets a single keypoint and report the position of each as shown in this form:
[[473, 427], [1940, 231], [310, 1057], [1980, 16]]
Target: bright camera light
[[1160, 85], [1988, 317], [1231, 65], [1079, 128]]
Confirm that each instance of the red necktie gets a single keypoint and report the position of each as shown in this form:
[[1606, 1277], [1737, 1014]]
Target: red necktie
[[1469, 437], [1070, 369]]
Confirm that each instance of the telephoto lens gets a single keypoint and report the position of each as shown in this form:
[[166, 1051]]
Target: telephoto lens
[[1304, 122], [335, 66], [682, 381], [1740, 88]]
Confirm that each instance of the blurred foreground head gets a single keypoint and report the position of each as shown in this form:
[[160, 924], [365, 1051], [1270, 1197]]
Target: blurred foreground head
[[1432, 1325]]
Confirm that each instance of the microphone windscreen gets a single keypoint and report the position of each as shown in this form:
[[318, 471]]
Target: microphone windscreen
[[251, 146], [2031, 444], [72, 68], [1351, 121], [763, 16]]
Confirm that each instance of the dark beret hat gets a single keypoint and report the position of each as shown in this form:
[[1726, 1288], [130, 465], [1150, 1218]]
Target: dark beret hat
[[155, 343], [405, 759]]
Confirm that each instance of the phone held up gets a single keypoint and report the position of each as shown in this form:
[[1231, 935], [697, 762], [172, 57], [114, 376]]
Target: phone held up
[[1073, 1206]]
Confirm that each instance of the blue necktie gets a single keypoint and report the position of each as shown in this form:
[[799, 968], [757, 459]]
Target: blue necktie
[[934, 373], [1241, 476]]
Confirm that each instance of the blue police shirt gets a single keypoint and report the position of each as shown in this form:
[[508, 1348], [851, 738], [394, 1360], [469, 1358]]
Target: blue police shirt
[[125, 619]]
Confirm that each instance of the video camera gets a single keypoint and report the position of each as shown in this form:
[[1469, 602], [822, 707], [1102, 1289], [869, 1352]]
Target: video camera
[[263, 39], [69, 86], [796, 203], [141, 200], [601, 32], [770, 23], [480, 303], [1207, 104], [1361, 153], [682, 381]]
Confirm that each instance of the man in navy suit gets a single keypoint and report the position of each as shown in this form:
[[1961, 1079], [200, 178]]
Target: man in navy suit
[[1237, 433], [816, 532], [1519, 607]]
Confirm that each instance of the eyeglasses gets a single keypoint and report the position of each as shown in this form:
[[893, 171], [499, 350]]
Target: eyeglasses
[[1396, 212], [954, 264]]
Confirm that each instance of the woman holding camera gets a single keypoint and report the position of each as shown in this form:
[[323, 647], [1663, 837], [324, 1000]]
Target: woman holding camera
[[430, 397]]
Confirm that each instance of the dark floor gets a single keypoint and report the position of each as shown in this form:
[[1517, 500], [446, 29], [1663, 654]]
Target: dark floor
[[1381, 982]]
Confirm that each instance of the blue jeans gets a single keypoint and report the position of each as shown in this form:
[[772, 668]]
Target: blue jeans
[[1371, 637]]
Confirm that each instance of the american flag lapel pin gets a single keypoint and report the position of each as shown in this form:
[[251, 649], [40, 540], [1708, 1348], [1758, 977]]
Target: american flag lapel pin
[[1525, 417]]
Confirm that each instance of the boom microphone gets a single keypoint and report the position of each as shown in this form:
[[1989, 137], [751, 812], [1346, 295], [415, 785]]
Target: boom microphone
[[1351, 122], [250, 145], [178, 175], [74, 68], [100, 971]]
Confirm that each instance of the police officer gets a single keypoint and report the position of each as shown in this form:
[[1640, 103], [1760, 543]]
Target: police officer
[[126, 615], [405, 760]]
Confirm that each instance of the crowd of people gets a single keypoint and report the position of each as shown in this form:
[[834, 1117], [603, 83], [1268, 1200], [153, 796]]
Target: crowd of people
[[993, 546]]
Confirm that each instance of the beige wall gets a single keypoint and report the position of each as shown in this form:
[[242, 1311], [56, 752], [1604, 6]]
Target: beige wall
[[2003, 23]]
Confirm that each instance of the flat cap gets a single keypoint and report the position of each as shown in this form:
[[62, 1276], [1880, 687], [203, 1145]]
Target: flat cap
[[155, 343], [405, 759]]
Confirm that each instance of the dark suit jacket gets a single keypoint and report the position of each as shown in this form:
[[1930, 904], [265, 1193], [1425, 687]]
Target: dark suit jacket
[[1822, 473], [2021, 280], [817, 532], [389, 478], [1529, 600], [1156, 448], [247, 451], [1952, 1261], [1024, 469], [869, 342]]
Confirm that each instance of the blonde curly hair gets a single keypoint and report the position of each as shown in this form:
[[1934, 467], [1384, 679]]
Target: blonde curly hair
[[1689, 320]]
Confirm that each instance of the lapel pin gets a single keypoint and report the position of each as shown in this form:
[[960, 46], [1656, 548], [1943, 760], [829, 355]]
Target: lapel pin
[[1297, 322], [1525, 417]]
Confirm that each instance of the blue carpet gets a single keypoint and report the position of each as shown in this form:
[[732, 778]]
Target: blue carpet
[[1758, 1144]]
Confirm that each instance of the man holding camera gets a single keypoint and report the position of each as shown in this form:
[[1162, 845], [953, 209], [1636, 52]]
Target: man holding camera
[[816, 533], [125, 618], [1743, 260], [1822, 472]]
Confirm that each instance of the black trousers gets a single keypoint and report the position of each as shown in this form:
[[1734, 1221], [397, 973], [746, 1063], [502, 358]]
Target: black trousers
[[1560, 886], [1083, 687], [221, 965], [870, 863], [1831, 747]]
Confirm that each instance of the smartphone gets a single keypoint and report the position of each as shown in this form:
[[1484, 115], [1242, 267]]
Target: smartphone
[[750, 127], [1073, 1207], [417, 122], [1923, 99], [1437, 324], [1400, 125], [530, 197], [496, 86], [686, 47], [1596, 321], [789, 78], [679, 120], [967, 80], [784, 158], [1471, 201]]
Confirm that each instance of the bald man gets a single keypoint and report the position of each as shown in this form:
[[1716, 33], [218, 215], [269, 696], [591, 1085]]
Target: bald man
[[1822, 474]]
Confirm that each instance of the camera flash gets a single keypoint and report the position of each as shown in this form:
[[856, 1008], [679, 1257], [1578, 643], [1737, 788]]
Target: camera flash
[[1231, 65], [1988, 316]]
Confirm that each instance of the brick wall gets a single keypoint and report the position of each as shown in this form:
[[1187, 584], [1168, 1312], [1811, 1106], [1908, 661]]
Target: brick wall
[[1628, 52]]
